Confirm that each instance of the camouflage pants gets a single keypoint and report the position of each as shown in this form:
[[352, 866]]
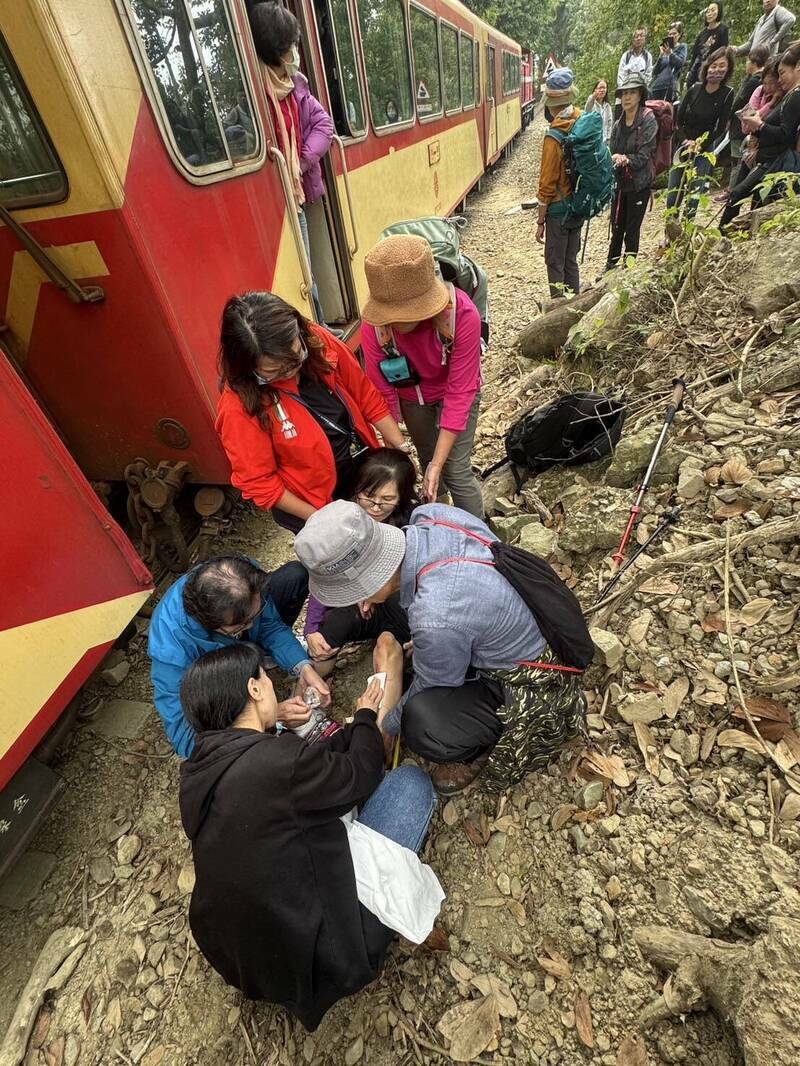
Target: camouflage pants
[[542, 710]]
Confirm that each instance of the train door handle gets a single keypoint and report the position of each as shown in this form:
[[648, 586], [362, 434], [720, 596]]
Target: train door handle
[[351, 248], [286, 182]]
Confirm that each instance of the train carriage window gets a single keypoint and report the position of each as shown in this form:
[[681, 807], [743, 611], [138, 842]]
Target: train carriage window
[[339, 52], [476, 72], [427, 77], [388, 64], [31, 172], [467, 71], [450, 65], [195, 67]]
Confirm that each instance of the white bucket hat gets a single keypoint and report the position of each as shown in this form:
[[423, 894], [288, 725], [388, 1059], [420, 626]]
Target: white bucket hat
[[349, 556]]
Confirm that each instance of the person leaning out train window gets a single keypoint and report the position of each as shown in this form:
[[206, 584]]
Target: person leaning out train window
[[422, 347], [304, 128], [296, 408]]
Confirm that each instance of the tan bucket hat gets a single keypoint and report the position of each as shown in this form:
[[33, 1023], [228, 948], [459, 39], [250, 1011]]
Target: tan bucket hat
[[403, 283]]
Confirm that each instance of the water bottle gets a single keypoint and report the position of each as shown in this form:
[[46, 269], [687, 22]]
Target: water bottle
[[319, 726]]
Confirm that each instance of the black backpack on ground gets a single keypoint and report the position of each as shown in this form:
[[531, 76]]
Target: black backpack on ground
[[580, 427], [554, 606]]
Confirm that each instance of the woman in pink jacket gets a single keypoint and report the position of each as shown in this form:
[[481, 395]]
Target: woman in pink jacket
[[422, 347]]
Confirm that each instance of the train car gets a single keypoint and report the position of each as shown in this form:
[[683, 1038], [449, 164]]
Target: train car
[[141, 184]]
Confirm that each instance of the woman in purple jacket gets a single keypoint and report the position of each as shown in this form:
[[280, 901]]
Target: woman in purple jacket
[[304, 127]]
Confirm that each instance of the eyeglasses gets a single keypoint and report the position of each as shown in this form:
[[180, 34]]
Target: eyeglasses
[[286, 367], [380, 503], [239, 629]]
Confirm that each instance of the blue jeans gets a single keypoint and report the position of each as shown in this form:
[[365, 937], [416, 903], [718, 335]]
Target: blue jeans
[[301, 218], [401, 807], [677, 183]]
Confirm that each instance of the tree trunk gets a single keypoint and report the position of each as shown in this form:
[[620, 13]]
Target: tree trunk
[[753, 987], [546, 334]]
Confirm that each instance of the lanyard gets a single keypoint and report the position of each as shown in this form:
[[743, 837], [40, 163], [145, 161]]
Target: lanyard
[[288, 428]]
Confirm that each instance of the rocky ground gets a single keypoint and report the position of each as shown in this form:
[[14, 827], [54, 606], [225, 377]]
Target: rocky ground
[[679, 809]]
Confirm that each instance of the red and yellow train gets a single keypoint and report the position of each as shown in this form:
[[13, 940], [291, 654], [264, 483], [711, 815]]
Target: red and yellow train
[[140, 185]]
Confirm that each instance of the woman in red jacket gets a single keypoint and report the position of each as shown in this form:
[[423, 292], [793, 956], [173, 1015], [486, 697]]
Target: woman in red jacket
[[296, 408]]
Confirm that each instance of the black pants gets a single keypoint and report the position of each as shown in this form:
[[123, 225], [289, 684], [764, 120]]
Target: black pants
[[288, 587], [626, 223], [345, 625], [454, 724], [742, 187]]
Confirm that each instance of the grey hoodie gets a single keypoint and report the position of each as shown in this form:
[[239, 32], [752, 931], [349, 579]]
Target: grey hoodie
[[461, 614], [638, 143]]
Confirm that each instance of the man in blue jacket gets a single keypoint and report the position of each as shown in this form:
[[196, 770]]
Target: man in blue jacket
[[218, 602]]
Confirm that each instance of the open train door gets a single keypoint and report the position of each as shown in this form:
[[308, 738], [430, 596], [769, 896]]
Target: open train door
[[71, 583], [491, 110]]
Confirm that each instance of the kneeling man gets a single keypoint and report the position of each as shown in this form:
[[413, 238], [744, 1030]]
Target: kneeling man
[[485, 682]]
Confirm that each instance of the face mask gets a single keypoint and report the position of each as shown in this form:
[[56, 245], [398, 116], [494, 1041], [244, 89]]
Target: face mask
[[716, 75], [286, 370], [292, 64]]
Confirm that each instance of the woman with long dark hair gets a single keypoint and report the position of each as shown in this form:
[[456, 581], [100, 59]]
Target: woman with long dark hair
[[295, 899], [713, 36], [703, 119], [598, 101], [384, 487], [776, 136], [296, 408]]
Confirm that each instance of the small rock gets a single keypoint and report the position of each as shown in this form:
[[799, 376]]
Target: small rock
[[115, 675], [101, 870], [690, 480], [771, 466], [186, 878], [590, 795], [128, 847], [707, 911], [609, 647], [663, 893], [578, 837], [757, 828], [609, 826], [355, 1052], [539, 540], [72, 1050], [504, 883], [155, 995], [496, 848], [613, 888], [647, 707], [637, 631], [538, 1002]]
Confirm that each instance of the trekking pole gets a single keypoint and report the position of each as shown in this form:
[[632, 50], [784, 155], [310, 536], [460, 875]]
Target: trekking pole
[[669, 518], [585, 240], [676, 404]]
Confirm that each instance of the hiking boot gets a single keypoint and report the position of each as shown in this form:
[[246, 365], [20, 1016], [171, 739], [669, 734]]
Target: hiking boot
[[452, 777]]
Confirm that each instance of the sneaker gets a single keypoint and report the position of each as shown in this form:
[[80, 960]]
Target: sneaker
[[452, 777]]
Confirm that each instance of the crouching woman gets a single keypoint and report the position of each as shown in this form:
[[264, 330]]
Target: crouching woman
[[276, 909]]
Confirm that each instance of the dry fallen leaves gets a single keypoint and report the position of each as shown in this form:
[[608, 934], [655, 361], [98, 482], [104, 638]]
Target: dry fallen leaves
[[675, 695], [755, 611], [609, 767], [477, 829], [554, 963], [470, 1027], [735, 472], [731, 510], [737, 738], [489, 985], [460, 971], [762, 707], [648, 747], [632, 1052], [583, 1019]]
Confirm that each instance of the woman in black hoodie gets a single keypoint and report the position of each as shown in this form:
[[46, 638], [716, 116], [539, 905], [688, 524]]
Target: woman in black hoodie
[[275, 908], [714, 35]]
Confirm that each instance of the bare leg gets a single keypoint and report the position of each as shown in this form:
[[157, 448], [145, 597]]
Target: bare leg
[[388, 657]]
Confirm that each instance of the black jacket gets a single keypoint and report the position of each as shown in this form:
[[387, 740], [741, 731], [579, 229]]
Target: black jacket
[[780, 130], [706, 42], [746, 89], [274, 908], [707, 113], [638, 143]]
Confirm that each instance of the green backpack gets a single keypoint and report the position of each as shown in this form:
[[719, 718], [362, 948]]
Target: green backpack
[[444, 237], [589, 170]]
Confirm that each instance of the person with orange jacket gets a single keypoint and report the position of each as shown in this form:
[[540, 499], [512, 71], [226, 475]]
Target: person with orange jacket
[[296, 408], [561, 244]]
